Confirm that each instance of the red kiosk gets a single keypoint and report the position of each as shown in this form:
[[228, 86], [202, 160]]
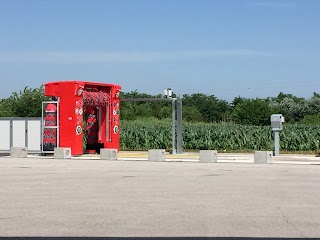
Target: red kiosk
[[89, 105]]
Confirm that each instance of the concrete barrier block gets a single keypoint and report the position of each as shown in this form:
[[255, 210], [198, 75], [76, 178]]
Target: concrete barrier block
[[263, 157], [62, 153], [157, 155], [108, 154], [19, 152], [208, 156]]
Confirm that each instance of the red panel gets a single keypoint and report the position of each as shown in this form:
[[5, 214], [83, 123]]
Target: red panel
[[71, 118], [52, 89], [115, 118]]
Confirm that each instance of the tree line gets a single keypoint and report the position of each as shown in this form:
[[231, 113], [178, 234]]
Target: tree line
[[197, 107]]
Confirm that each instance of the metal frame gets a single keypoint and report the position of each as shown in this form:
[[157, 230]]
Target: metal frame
[[176, 149], [11, 119], [52, 127]]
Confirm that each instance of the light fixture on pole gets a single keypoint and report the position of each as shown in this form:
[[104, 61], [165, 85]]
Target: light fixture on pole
[[168, 93]]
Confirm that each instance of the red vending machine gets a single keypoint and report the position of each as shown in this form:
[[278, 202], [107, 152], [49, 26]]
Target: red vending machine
[[88, 115]]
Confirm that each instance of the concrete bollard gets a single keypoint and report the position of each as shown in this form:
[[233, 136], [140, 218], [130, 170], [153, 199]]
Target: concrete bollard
[[62, 153], [19, 152], [108, 154], [263, 157], [157, 155], [208, 156]]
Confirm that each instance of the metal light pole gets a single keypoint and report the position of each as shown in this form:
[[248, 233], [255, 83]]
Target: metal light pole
[[179, 126], [173, 126], [168, 94]]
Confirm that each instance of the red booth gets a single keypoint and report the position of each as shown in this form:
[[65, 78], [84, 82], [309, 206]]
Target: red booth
[[88, 115]]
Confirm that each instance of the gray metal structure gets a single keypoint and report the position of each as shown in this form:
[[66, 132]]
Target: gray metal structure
[[20, 132], [276, 124], [173, 128], [179, 126], [176, 148]]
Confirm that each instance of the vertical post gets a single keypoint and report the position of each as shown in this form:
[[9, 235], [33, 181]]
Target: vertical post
[[179, 126], [173, 126], [276, 143], [11, 133], [58, 122], [26, 133]]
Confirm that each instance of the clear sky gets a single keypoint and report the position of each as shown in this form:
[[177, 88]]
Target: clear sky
[[249, 48]]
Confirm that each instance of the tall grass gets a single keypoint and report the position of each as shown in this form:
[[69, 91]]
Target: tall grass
[[152, 133]]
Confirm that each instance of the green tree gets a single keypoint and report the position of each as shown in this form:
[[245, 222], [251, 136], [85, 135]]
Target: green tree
[[191, 114], [25, 103], [252, 112], [164, 112], [6, 108], [236, 101], [311, 119], [295, 108], [132, 110], [281, 96], [211, 108]]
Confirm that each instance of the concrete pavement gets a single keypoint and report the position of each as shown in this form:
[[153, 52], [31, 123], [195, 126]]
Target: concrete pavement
[[48, 197]]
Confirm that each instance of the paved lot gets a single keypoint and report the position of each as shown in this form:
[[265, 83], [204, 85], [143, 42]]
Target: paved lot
[[47, 197]]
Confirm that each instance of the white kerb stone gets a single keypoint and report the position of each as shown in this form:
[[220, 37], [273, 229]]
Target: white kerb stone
[[263, 157], [62, 153], [108, 154], [157, 155], [208, 156], [19, 152]]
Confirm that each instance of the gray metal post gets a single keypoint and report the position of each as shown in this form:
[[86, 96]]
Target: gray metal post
[[179, 126], [26, 133], [11, 133], [276, 143], [173, 126]]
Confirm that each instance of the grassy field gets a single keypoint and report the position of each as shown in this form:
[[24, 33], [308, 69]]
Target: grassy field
[[152, 133]]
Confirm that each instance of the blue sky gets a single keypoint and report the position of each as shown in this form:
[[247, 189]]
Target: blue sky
[[249, 48]]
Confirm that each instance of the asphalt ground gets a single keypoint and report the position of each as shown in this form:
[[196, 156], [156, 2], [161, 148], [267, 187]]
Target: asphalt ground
[[43, 197]]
